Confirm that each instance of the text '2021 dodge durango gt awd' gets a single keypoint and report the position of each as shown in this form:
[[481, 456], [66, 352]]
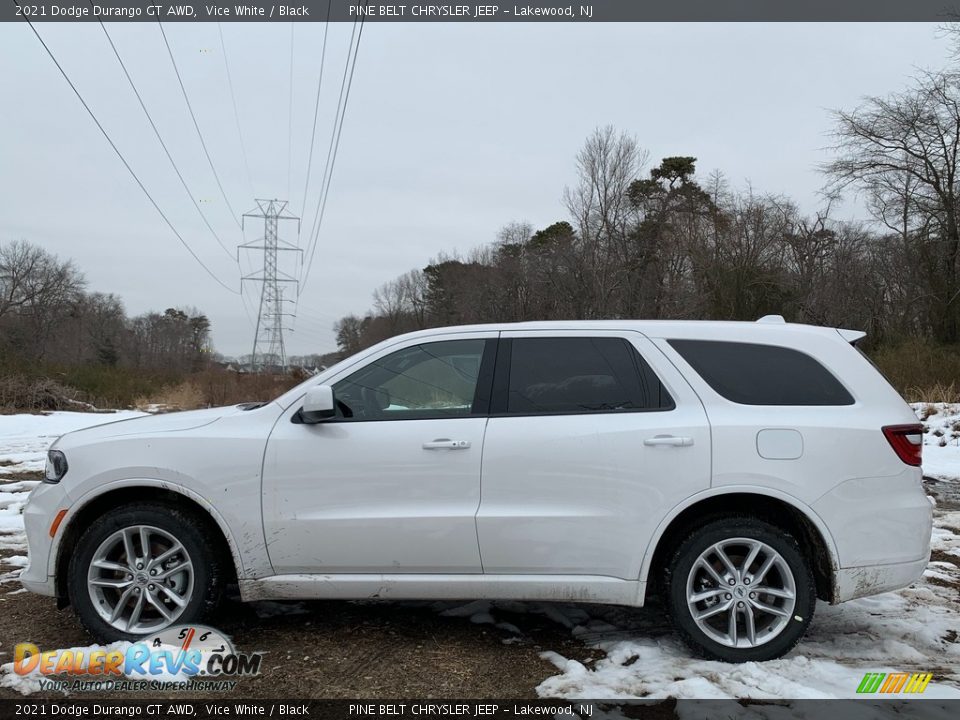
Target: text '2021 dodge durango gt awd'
[[737, 470]]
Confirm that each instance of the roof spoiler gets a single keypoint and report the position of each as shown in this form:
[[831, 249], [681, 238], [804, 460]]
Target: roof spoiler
[[852, 336]]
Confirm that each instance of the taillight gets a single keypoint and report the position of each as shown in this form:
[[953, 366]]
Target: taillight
[[906, 441]]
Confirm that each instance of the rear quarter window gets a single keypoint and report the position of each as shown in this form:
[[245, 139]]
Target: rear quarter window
[[754, 374]]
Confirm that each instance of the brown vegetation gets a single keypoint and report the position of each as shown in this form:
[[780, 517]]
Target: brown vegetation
[[215, 387]]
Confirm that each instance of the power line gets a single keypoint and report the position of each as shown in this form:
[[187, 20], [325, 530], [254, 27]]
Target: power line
[[333, 132], [332, 159], [122, 158], [197, 125], [316, 106], [160, 138], [293, 26], [236, 114]]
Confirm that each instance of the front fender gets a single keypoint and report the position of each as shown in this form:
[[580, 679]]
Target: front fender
[[244, 537]]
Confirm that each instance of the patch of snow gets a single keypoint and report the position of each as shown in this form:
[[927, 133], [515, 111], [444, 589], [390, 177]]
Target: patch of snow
[[24, 439], [941, 439]]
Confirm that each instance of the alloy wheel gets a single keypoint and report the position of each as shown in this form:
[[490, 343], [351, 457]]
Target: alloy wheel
[[741, 593], [140, 579]]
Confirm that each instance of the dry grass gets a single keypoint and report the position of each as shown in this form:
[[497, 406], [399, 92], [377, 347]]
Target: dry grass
[[938, 392], [229, 388], [212, 388], [185, 396], [922, 371], [86, 388]]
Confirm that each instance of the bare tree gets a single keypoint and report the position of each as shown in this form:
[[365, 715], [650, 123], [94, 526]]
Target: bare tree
[[606, 166], [903, 153], [37, 290]]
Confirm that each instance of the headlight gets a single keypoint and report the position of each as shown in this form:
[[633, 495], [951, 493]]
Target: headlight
[[56, 466]]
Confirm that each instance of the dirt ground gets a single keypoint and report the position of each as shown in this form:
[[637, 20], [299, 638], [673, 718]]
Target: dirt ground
[[336, 649], [370, 649]]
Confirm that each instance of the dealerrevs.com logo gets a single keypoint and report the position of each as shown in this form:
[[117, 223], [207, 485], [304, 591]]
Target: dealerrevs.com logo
[[901, 682], [182, 657]]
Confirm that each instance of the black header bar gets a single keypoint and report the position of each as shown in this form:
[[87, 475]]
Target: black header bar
[[491, 11]]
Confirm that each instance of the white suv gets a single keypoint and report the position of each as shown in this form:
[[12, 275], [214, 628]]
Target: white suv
[[737, 470]]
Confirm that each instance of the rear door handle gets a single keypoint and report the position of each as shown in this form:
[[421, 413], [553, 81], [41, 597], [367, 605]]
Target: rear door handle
[[670, 440], [445, 444]]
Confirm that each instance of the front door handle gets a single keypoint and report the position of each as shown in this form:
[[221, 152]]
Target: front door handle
[[445, 444], [670, 440]]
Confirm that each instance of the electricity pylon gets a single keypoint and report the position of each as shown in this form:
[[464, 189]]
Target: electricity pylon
[[268, 347]]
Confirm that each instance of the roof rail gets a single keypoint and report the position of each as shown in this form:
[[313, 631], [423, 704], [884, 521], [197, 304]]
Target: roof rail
[[772, 319]]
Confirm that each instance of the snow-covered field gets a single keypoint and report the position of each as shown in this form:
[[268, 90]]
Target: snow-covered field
[[913, 630], [24, 440]]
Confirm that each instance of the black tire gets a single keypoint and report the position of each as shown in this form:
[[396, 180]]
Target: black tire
[[699, 541], [191, 531]]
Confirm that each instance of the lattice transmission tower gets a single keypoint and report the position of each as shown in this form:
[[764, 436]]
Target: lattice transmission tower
[[268, 347]]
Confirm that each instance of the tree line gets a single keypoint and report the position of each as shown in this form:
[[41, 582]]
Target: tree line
[[49, 318], [659, 241]]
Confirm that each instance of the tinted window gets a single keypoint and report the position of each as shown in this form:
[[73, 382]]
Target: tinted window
[[752, 374], [579, 374], [437, 379]]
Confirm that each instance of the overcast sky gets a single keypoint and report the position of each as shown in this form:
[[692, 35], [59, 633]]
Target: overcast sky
[[451, 132]]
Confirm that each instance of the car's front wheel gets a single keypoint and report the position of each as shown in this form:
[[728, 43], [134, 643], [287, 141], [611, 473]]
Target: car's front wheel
[[142, 568], [739, 590]]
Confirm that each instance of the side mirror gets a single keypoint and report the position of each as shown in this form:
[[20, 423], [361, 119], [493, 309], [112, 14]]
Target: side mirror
[[318, 405]]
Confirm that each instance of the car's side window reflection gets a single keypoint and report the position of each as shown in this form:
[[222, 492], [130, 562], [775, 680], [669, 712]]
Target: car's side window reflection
[[563, 375], [437, 379]]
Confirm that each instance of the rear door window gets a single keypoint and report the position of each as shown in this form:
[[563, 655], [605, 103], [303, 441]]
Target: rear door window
[[565, 375], [754, 374]]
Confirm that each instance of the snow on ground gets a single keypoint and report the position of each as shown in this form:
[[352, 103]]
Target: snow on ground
[[941, 442], [24, 439], [912, 630]]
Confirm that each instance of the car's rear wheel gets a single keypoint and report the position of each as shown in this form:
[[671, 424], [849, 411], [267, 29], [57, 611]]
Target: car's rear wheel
[[739, 590], [142, 568]]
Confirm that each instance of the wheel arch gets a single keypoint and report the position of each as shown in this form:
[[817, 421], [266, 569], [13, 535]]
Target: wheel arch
[[777, 508], [94, 505]]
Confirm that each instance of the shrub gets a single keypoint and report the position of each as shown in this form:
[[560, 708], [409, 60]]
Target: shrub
[[19, 392]]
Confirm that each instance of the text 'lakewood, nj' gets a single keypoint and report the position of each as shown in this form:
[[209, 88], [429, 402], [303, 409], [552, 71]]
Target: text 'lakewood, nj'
[[474, 11]]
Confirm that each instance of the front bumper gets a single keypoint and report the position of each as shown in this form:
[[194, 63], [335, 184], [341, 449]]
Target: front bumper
[[45, 501]]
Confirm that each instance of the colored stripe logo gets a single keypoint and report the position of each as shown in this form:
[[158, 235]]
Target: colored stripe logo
[[888, 683]]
